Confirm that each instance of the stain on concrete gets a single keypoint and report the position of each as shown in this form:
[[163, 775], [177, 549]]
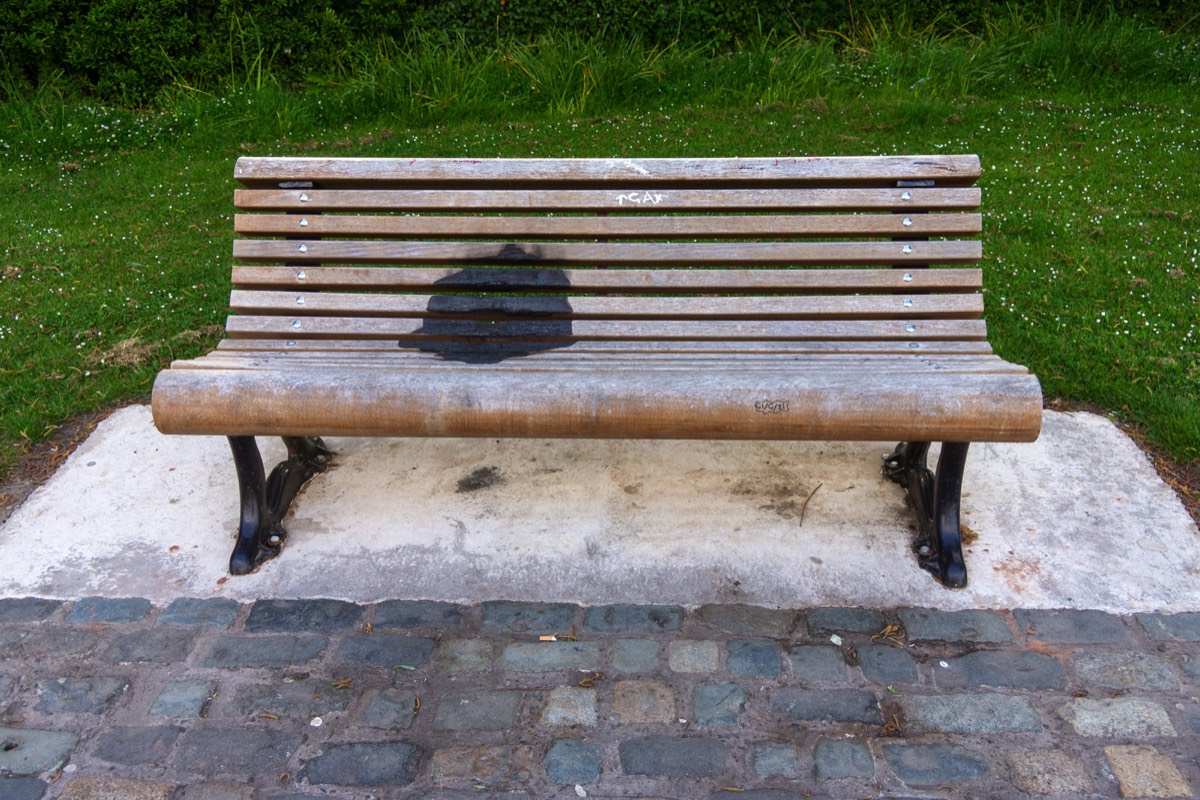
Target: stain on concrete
[[481, 478]]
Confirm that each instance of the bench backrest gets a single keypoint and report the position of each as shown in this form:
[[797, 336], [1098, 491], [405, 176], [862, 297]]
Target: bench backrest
[[872, 254]]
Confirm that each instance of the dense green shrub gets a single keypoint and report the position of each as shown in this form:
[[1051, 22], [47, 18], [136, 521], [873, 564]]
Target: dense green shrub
[[127, 51]]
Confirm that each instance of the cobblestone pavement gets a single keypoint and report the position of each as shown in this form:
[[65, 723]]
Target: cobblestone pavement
[[288, 699]]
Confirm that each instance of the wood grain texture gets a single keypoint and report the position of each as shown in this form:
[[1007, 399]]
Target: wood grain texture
[[675, 254], [633, 281], [947, 169], [773, 226], [720, 404], [792, 298], [633, 201]]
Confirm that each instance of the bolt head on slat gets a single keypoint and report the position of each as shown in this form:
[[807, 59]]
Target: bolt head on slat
[[296, 324], [907, 223], [906, 196], [303, 198], [908, 277], [304, 223], [303, 248], [906, 249], [300, 301], [908, 303], [910, 328], [301, 275]]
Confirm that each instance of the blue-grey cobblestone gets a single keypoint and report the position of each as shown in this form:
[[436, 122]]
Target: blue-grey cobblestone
[[106, 609], [972, 625], [762, 659], [634, 619], [1072, 626], [215, 612]]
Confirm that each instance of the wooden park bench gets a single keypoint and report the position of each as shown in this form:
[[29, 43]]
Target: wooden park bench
[[759, 298]]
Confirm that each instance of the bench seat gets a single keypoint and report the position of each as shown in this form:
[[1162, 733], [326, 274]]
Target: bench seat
[[780, 299]]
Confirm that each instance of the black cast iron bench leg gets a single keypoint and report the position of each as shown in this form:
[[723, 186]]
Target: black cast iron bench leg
[[265, 500], [935, 498]]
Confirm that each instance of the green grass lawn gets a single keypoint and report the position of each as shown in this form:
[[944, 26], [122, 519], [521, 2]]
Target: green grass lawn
[[115, 227]]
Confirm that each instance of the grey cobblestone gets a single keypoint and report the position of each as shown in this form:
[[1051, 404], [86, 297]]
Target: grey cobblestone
[[80, 695], [635, 655], [162, 645], [718, 704], [429, 702], [971, 713], [132, 746], [923, 624], [184, 699], [301, 700], [685, 655], [1118, 718], [217, 612], [885, 664], [27, 751], [464, 655], [26, 609], [760, 659], [384, 650], [106, 609], [573, 761], [1069, 626], [214, 752], [817, 663], [844, 620], [303, 616], [1172, 627], [836, 759], [1020, 669], [674, 757], [570, 705], [1108, 670], [365, 764], [838, 705], [231, 651], [743, 620], [775, 760], [390, 709], [634, 619], [550, 656], [540, 618], [417, 614], [489, 710], [22, 788], [934, 764]]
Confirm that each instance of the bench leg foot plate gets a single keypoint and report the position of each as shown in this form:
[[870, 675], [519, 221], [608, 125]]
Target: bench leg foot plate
[[265, 499], [935, 499]]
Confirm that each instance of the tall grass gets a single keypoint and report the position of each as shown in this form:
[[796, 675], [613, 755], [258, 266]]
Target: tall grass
[[118, 240]]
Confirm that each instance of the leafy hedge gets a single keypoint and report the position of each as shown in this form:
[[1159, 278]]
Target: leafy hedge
[[127, 51]]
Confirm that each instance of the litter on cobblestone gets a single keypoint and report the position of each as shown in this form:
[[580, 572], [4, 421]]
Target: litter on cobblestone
[[316, 722], [579, 790], [836, 640]]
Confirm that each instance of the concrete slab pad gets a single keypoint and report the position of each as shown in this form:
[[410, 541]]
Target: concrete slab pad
[[1078, 519]]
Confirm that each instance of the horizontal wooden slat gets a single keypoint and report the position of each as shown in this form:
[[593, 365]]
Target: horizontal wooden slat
[[717, 404], [568, 361], [566, 330], [633, 201], [942, 306], [640, 349], [605, 254], [960, 169], [612, 227], [705, 281]]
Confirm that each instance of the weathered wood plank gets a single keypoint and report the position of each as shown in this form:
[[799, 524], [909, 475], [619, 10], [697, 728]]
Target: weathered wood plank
[[703, 281], [597, 253], [960, 169], [723, 404], [619, 200], [773, 226], [943, 306], [645, 349], [583, 330]]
